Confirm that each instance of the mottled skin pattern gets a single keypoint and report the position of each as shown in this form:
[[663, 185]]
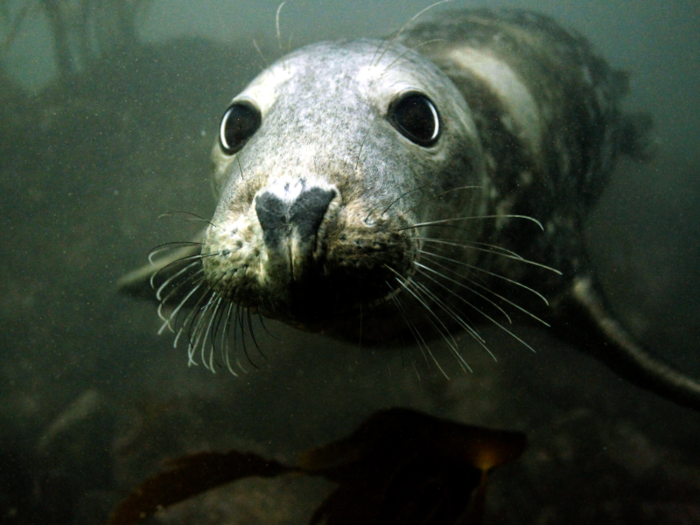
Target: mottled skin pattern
[[531, 126], [582, 130]]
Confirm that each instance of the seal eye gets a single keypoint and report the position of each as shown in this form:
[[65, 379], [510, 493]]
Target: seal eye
[[239, 123], [416, 118]]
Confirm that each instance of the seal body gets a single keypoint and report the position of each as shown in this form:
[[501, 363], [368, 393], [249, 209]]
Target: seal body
[[423, 184], [529, 125]]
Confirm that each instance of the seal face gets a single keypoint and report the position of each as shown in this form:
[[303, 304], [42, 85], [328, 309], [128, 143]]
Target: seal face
[[317, 162]]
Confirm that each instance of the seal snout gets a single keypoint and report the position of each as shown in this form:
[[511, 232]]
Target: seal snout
[[300, 218], [293, 215]]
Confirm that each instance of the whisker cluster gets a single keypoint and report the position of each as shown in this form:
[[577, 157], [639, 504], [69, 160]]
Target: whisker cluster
[[212, 327], [452, 292]]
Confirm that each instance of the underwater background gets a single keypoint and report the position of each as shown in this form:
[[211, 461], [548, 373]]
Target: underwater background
[[108, 111]]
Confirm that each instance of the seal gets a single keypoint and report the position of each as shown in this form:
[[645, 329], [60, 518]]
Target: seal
[[416, 186]]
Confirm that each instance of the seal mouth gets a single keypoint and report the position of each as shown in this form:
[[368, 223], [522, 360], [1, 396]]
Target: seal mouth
[[343, 276], [318, 302]]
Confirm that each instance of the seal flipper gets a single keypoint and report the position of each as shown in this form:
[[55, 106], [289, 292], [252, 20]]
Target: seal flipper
[[584, 319]]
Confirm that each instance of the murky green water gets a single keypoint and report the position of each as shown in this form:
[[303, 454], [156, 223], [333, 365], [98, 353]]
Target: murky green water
[[92, 399]]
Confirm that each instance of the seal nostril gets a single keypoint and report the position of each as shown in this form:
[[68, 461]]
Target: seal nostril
[[272, 215], [309, 209], [305, 214]]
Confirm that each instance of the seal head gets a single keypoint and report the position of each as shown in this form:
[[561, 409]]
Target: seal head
[[324, 164]]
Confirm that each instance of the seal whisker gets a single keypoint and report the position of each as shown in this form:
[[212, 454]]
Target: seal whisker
[[260, 54], [473, 218], [204, 326], [173, 277], [198, 321], [267, 331], [234, 322], [397, 199], [395, 298], [398, 34], [470, 246], [214, 333], [173, 315], [442, 328], [186, 216], [240, 315], [252, 333], [493, 248], [190, 324], [173, 318], [194, 320], [438, 195], [460, 188], [422, 344], [399, 307], [402, 55], [447, 308], [240, 167], [225, 354], [452, 292], [157, 273], [499, 296], [462, 285], [168, 246], [196, 278], [387, 41], [240, 365], [201, 315], [186, 324], [191, 312], [391, 204], [444, 332], [236, 326], [277, 26], [455, 316], [493, 274], [215, 329], [216, 302]]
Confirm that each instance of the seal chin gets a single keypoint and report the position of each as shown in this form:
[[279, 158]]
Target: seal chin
[[300, 256]]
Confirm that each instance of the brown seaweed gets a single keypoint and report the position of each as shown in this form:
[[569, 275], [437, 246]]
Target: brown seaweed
[[398, 467], [405, 467], [189, 475]]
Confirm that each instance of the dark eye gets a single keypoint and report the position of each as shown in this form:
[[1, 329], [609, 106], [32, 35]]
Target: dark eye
[[416, 118], [239, 123]]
